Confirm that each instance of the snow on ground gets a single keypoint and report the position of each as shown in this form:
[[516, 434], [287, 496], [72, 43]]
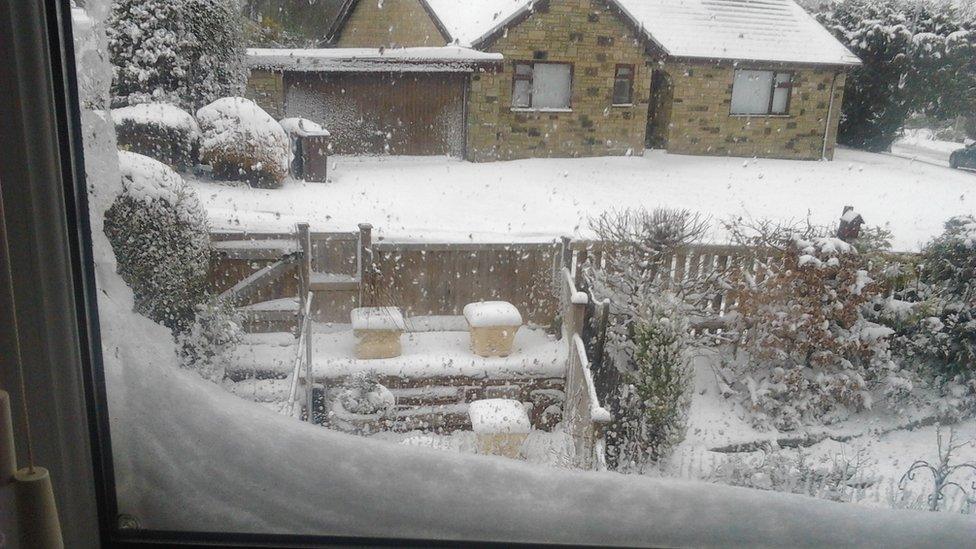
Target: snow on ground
[[437, 198], [921, 145], [437, 354], [715, 421]]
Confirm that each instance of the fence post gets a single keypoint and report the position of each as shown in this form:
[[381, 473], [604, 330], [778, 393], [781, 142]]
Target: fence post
[[365, 262], [580, 260], [304, 270], [567, 253]]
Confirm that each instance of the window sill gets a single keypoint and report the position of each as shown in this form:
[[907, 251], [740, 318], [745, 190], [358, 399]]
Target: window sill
[[547, 110], [621, 105]]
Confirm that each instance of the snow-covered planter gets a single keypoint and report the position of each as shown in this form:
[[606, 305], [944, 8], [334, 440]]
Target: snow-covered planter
[[377, 331], [158, 130], [364, 406], [493, 326], [243, 142], [159, 232], [500, 425]]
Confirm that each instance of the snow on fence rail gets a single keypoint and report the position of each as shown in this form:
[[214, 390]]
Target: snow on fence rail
[[585, 419]]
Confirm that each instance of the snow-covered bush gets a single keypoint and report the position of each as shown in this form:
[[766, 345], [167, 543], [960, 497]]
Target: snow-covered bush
[[834, 478], [652, 407], [363, 405], [158, 230], [158, 130], [811, 355], [647, 340], [294, 124], [204, 347], [186, 52], [916, 59], [241, 141]]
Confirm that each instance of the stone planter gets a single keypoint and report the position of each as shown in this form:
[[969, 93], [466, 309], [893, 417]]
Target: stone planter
[[500, 426], [493, 325], [377, 331]]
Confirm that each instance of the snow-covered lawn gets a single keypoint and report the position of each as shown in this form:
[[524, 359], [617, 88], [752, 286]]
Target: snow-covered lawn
[[921, 145], [424, 198]]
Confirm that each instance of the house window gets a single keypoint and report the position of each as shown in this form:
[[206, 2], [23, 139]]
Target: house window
[[542, 85], [761, 92], [623, 85]]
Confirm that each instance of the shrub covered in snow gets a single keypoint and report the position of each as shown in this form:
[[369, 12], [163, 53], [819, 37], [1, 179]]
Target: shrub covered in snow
[[651, 409], [917, 59], [241, 141], [294, 124], [159, 233], [215, 330], [811, 354], [187, 52], [363, 406], [158, 130]]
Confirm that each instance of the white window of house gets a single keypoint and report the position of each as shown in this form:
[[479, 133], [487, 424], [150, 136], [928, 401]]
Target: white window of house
[[761, 92], [542, 85], [623, 85]]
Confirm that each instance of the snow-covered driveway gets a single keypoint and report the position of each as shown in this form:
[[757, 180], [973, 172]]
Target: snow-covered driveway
[[419, 198]]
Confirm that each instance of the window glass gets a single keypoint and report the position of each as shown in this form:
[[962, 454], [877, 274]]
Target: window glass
[[781, 93], [525, 257], [623, 85], [751, 91], [551, 85]]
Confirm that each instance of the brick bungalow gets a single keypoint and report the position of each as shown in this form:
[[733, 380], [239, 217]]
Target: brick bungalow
[[566, 78]]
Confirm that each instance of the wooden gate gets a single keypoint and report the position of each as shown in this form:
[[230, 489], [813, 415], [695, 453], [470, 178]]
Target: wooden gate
[[383, 113]]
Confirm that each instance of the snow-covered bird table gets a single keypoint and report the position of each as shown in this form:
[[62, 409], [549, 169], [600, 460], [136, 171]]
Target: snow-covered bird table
[[500, 425], [493, 326], [377, 331]]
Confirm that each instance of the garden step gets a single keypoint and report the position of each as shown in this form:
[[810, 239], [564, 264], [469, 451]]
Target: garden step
[[333, 281]]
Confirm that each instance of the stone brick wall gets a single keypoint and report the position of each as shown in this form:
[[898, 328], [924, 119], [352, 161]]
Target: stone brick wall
[[591, 37], [401, 23], [701, 122], [267, 89]]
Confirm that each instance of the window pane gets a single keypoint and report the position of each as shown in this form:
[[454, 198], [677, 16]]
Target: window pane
[[750, 92], [781, 94], [623, 86], [551, 86], [521, 93]]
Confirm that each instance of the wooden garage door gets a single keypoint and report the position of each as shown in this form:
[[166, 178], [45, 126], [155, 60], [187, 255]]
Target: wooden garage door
[[383, 113]]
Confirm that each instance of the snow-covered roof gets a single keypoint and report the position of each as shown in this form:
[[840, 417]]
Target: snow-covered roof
[[753, 30], [469, 23], [427, 59]]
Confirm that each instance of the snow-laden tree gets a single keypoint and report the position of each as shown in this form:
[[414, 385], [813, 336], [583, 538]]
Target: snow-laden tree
[[186, 52], [918, 57]]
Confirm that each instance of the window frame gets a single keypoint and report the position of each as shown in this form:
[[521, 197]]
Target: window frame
[[773, 86], [530, 79], [630, 84]]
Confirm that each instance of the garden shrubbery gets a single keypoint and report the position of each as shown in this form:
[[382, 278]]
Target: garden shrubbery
[[158, 130], [243, 142], [206, 344], [158, 230]]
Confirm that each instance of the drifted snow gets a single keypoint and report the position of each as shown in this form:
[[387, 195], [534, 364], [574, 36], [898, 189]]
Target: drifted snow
[[377, 318], [436, 198]]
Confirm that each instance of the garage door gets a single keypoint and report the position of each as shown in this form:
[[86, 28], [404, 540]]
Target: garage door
[[383, 113]]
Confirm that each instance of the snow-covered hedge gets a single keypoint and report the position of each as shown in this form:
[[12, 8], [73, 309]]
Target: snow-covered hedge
[[243, 142], [158, 130], [159, 232]]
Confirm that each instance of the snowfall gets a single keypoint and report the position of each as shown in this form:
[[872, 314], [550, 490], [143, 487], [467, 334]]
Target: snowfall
[[445, 199], [189, 455]]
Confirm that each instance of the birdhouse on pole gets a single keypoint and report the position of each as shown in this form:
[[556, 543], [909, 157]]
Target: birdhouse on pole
[[850, 225]]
